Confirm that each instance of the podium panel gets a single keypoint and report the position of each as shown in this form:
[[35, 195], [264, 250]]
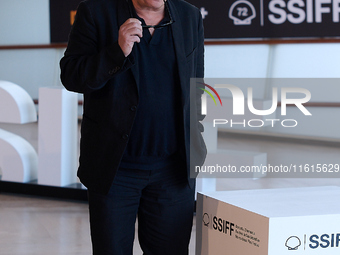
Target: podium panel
[[269, 222]]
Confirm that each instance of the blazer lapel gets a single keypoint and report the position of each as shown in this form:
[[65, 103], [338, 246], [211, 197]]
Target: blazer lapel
[[177, 31], [123, 14]]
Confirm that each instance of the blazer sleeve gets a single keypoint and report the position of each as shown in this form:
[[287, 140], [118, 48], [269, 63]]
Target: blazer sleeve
[[86, 66], [200, 49], [200, 71]]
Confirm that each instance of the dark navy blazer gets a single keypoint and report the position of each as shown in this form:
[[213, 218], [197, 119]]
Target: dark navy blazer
[[94, 65]]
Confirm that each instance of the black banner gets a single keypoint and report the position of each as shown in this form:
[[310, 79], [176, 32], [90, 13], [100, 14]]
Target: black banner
[[62, 13], [270, 18], [232, 19]]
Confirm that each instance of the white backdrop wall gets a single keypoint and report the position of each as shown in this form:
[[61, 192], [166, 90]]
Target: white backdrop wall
[[24, 22]]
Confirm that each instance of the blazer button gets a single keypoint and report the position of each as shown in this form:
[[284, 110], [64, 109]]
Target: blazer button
[[125, 137], [133, 108], [114, 70]]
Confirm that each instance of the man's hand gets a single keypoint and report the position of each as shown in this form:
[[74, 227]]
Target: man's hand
[[129, 33]]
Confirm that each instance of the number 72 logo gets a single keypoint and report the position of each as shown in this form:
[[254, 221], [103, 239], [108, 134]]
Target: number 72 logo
[[242, 12]]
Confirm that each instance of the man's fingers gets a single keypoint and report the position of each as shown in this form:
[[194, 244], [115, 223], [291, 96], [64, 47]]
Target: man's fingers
[[136, 39], [132, 28], [132, 20], [134, 31], [129, 33], [131, 23]]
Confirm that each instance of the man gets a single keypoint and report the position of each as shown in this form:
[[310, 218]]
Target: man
[[133, 60]]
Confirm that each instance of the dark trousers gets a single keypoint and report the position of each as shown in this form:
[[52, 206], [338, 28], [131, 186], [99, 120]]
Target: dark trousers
[[161, 199]]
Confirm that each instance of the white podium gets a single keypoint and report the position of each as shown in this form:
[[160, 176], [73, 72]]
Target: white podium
[[269, 222], [57, 136]]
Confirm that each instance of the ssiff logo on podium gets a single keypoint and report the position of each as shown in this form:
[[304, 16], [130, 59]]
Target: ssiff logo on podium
[[227, 229], [317, 242]]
